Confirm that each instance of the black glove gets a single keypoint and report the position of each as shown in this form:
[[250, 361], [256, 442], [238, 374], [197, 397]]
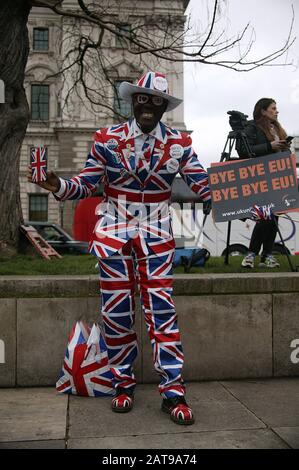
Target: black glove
[[207, 206]]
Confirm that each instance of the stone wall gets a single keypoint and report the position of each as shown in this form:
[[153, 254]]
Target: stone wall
[[233, 326]]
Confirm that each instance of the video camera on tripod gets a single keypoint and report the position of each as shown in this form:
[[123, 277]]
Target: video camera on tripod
[[238, 122]]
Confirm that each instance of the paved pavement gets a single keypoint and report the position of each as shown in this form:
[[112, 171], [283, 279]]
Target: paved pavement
[[246, 414]]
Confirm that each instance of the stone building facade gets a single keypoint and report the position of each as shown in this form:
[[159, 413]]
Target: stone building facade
[[67, 131]]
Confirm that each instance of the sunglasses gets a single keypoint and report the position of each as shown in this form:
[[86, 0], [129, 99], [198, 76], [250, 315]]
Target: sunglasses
[[143, 99]]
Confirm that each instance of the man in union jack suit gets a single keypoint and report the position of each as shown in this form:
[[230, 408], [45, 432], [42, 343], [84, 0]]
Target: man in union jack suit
[[138, 161]]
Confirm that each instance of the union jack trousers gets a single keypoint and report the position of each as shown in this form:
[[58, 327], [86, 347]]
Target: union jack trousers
[[118, 277], [134, 243]]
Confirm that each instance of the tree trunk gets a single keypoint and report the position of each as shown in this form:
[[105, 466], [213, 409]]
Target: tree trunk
[[14, 116]]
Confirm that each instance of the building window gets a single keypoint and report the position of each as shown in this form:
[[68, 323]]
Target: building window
[[122, 107], [40, 39], [38, 207], [125, 30], [40, 102]]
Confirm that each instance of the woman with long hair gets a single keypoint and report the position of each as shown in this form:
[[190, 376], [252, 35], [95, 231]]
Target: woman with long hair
[[265, 135]]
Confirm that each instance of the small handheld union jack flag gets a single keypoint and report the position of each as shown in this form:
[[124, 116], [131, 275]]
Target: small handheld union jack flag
[[38, 160], [261, 213], [86, 370]]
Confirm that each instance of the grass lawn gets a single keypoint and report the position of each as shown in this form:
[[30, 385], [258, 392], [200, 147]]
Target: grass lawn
[[85, 264]]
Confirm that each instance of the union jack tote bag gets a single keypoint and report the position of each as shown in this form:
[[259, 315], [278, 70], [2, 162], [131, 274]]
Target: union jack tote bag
[[86, 370]]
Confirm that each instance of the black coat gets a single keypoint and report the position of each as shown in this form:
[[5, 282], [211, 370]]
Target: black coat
[[257, 140]]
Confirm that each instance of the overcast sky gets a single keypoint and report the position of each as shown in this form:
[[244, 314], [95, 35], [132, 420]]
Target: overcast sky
[[211, 91]]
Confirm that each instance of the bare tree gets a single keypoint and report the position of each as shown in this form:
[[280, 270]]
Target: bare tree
[[14, 116], [85, 70]]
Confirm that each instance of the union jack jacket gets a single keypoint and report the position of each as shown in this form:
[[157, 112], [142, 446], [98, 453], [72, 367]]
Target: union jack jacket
[[137, 191]]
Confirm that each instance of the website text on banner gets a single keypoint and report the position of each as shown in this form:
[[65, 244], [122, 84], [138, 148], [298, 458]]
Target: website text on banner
[[238, 185]]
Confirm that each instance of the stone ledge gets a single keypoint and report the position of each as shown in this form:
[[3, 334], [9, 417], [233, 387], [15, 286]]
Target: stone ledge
[[227, 333], [184, 284], [255, 283], [47, 286]]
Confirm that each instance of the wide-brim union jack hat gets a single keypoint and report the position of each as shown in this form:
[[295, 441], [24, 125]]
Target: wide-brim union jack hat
[[151, 83]]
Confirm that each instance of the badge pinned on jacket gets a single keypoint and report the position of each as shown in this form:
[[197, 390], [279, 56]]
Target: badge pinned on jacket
[[116, 158], [126, 152], [172, 165], [112, 144], [176, 151]]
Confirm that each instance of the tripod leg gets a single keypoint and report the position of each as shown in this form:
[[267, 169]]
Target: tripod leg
[[224, 155], [293, 269], [227, 242]]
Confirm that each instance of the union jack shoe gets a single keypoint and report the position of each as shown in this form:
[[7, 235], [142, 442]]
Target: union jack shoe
[[178, 409], [123, 400]]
